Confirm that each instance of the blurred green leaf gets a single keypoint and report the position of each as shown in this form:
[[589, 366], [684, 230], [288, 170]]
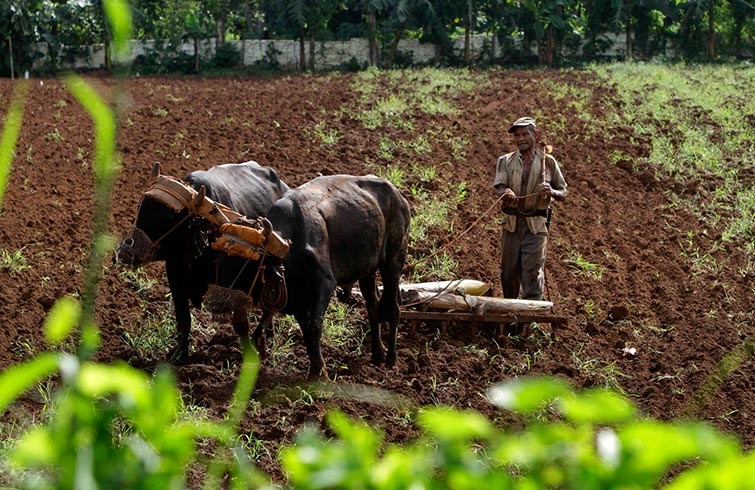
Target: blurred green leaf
[[651, 447], [118, 14], [104, 122], [17, 379], [35, 448], [128, 383], [62, 319], [453, 424], [527, 395], [10, 133], [597, 406], [734, 474]]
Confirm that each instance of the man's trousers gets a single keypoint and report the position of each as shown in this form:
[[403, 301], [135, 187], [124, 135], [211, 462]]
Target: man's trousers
[[523, 262]]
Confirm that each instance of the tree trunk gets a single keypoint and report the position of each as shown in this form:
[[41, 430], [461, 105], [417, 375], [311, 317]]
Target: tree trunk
[[629, 53], [220, 30], [108, 56], [312, 52], [372, 42], [550, 44], [394, 45], [10, 49], [196, 55], [302, 53], [467, 34], [711, 31]]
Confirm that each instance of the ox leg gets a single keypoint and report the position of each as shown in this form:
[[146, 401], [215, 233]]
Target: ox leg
[[390, 311], [369, 291], [240, 322], [179, 353], [259, 336], [311, 326]]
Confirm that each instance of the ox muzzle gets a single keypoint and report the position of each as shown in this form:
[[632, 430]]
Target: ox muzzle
[[136, 249]]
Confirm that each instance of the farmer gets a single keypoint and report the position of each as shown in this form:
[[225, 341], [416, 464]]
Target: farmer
[[527, 179]]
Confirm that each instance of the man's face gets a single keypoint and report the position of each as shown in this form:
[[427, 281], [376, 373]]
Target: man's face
[[523, 138]]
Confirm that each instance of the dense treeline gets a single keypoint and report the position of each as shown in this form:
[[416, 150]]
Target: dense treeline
[[688, 29]]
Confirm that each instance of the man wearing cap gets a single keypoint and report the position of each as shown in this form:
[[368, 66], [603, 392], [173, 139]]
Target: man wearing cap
[[527, 179]]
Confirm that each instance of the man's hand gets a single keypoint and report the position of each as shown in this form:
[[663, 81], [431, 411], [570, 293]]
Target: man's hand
[[545, 189], [508, 198]]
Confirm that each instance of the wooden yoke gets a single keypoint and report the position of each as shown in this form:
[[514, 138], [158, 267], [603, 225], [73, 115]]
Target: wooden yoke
[[214, 212], [240, 236]]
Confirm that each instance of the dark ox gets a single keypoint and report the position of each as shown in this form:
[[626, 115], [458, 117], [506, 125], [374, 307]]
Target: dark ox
[[341, 229], [183, 241]]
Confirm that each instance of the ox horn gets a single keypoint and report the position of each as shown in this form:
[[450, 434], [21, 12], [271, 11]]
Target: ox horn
[[267, 227], [198, 199], [156, 169]]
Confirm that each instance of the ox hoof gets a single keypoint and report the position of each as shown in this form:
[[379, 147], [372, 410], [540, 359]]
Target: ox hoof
[[317, 375], [177, 356], [378, 357]]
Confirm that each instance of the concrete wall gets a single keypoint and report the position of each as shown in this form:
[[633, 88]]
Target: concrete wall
[[328, 54]]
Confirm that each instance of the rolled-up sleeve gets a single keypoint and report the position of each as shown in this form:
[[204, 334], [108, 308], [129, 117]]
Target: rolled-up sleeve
[[557, 178], [501, 173]]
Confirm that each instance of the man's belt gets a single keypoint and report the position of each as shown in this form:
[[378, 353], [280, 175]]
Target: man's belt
[[526, 213]]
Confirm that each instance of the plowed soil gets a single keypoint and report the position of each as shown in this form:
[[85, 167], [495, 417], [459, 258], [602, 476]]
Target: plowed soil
[[682, 318]]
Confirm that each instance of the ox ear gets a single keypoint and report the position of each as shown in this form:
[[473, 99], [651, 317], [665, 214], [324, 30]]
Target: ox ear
[[156, 170]]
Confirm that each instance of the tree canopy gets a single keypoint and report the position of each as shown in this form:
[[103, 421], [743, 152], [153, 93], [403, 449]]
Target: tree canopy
[[692, 29]]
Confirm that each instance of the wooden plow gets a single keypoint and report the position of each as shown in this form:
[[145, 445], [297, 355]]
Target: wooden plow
[[464, 301]]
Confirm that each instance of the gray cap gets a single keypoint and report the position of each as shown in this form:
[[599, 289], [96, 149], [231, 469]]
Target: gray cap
[[523, 122]]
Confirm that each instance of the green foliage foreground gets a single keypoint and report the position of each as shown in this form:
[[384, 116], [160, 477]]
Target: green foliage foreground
[[116, 427]]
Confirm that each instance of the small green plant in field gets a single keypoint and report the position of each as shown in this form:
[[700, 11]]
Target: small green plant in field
[[24, 347], [433, 266], [606, 374], [393, 111], [392, 173], [282, 341], [160, 112], [424, 219], [460, 192], [576, 261], [138, 280], [386, 148], [55, 135], [425, 173], [458, 148], [190, 412], [701, 262], [421, 145], [327, 136], [253, 448], [150, 335], [591, 309], [13, 262], [337, 328]]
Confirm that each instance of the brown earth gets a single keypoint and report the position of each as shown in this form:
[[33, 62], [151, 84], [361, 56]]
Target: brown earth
[[682, 315]]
